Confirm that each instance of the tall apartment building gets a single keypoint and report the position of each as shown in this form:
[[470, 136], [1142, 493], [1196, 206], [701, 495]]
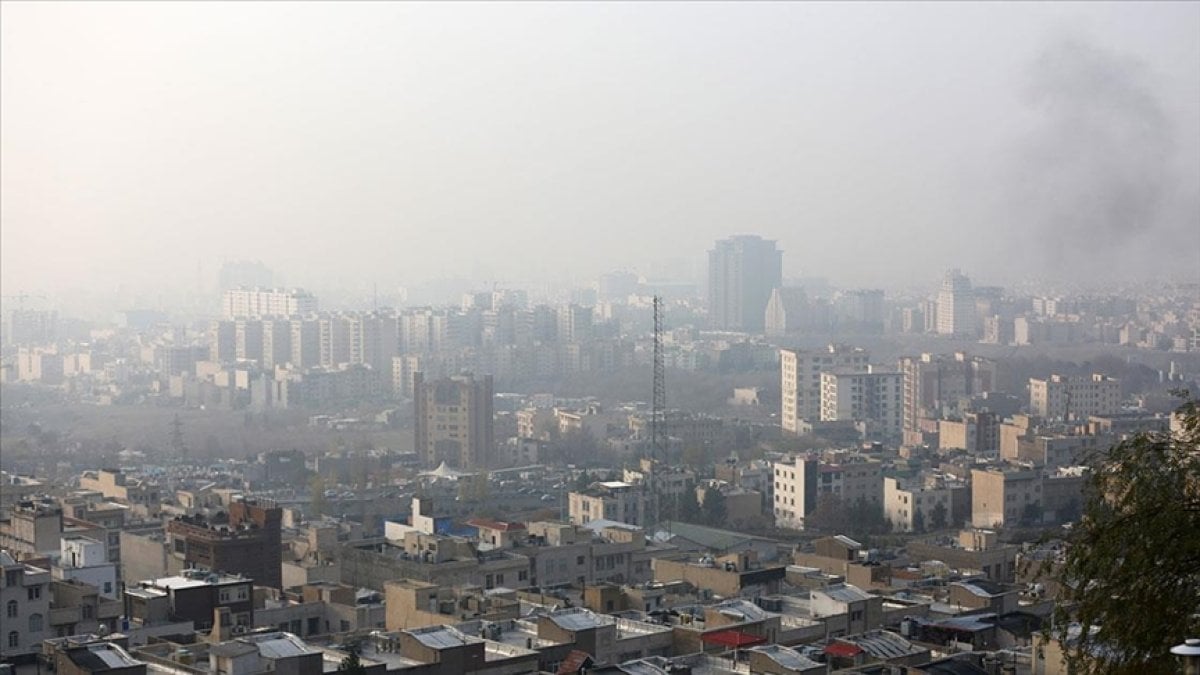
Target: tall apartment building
[[453, 420], [248, 544], [574, 323], [956, 306], [800, 379], [1060, 397], [276, 342], [241, 303], [873, 397], [248, 340], [742, 271], [801, 480], [32, 326], [222, 341], [305, 342], [934, 383]]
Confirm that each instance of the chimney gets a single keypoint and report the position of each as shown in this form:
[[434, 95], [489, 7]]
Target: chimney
[[222, 625]]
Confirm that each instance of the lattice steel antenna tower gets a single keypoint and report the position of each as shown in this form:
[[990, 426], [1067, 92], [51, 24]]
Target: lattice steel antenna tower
[[658, 452]]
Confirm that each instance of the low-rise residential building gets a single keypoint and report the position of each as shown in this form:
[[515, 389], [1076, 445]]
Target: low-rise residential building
[[25, 601], [609, 500], [916, 507]]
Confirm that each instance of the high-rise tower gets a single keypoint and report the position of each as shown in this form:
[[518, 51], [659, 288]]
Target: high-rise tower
[[742, 272], [956, 306]]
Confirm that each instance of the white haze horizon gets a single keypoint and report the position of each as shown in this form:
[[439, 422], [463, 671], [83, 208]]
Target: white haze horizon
[[347, 145]]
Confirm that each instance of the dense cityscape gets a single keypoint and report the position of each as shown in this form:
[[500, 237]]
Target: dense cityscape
[[755, 458]]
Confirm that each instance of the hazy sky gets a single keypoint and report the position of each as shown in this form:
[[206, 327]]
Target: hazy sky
[[349, 143]]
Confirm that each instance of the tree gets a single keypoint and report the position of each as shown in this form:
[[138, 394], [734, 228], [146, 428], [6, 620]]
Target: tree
[[830, 516], [919, 521], [351, 664], [714, 508], [938, 516], [1130, 574], [1032, 515], [689, 505], [583, 481]]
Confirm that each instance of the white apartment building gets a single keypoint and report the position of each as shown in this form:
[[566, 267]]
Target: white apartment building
[[956, 306], [609, 500], [800, 379], [240, 303], [85, 559], [902, 504], [1062, 397], [874, 397], [801, 480], [25, 601]]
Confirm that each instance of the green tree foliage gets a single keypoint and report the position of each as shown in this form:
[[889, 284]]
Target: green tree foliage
[[1130, 575], [938, 516], [860, 519], [689, 505], [714, 510], [919, 521], [583, 481], [352, 664], [830, 516]]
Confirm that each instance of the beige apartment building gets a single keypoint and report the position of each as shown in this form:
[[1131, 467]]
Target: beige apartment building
[[934, 383], [1000, 497], [911, 507], [1060, 397], [454, 421]]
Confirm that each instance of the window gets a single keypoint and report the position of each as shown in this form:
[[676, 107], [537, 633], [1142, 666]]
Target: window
[[35, 592], [242, 593], [108, 588], [12, 609], [88, 611], [14, 639], [35, 623], [12, 578]]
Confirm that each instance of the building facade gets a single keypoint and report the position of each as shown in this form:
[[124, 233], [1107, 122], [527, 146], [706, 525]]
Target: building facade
[[742, 272], [956, 306], [800, 380], [454, 421], [1060, 397], [873, 397]]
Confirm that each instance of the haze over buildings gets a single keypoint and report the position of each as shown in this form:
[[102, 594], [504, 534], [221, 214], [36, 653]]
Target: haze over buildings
[[387, 143]]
